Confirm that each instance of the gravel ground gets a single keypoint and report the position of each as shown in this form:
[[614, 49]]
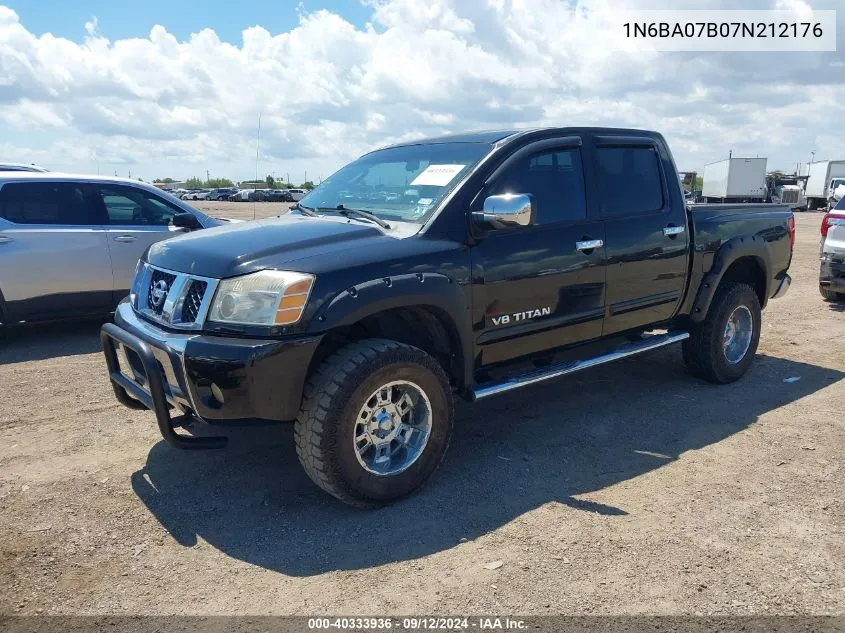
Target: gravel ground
[[627, 489], [241, 210]]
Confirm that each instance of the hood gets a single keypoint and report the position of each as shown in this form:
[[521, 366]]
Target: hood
[[245, 247]]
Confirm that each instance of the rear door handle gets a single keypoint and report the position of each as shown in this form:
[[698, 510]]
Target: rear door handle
[[124, 238], [672, 231], [588, 245], [5, 239]]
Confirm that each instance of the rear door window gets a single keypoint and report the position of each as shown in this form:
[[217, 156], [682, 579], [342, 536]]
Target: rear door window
[[55, 203], [629, 180]]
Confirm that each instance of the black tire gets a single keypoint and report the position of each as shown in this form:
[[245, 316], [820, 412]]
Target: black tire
[[333, 396], [811, 204], [829, 295], [703, 351]]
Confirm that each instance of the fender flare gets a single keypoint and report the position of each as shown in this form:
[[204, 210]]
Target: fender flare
[[422, 290], [735, 248]]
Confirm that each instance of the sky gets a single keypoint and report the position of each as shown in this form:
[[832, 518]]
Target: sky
[[175, 89]]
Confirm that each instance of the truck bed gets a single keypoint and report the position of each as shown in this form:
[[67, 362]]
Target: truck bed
[[714, 224]]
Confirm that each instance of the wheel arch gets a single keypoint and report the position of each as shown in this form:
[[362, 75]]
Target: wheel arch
[[745, 259], [426, 310]]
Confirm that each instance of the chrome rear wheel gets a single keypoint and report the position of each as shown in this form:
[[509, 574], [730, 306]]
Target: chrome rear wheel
[[739, 330]]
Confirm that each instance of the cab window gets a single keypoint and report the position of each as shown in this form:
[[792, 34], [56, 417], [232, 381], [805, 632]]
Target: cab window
[[555, 179]]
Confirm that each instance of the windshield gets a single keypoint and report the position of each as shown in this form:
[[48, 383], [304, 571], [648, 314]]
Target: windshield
[[398, 183]]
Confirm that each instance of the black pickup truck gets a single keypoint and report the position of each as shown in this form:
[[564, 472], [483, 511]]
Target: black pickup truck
[[466, 265]]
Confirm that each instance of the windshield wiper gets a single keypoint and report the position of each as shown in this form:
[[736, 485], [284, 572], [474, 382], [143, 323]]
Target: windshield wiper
[[359, 213], [304, 210]]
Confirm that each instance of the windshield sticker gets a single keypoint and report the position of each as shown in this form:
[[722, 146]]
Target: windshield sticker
[[437, 175], [424, 202]]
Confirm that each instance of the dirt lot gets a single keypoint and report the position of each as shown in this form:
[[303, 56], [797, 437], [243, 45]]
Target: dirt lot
[[240, 210], [630, 488]]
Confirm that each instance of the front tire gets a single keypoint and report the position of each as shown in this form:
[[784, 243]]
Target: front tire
[[721, 348], [375, 422], [829, 295]]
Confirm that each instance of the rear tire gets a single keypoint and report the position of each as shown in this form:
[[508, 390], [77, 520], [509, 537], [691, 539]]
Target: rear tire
[[721, 348], [829, 295], [352, 407]]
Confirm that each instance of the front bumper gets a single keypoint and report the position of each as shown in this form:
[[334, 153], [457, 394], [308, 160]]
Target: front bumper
[[213, 378], [832, 273]]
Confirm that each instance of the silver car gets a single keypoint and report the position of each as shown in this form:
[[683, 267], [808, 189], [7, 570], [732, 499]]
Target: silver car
[[69, 244], [20, 167]]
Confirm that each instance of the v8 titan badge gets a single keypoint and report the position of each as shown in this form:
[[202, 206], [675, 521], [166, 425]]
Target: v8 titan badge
[[516, 317]]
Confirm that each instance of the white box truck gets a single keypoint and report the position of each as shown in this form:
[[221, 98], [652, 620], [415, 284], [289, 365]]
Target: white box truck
[[735, 180], [821, 175]]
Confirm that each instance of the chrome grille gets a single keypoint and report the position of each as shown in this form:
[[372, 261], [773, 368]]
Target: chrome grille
[[789, 196], [159, 286], [193, 300], [175, 299]]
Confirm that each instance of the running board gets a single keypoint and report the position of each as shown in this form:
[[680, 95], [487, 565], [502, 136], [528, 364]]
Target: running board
[[561, 369]]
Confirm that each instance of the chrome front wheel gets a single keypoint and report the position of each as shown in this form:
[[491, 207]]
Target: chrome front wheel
[[392, 428]]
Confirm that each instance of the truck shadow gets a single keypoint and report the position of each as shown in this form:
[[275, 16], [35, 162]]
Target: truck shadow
[[21, 344], [508, 456]]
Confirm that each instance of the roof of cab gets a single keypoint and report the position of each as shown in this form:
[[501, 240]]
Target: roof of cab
[[491, 137]]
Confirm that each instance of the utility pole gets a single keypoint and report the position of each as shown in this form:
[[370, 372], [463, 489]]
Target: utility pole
[[306, 176], [207, 176], [287, 179], [812, 156]]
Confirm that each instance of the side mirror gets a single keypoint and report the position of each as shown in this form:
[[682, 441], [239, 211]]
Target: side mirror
[[186, 221], [509, 210]]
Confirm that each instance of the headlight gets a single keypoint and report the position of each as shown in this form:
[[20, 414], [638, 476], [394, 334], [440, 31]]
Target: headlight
[[135, 290], [268, 297]]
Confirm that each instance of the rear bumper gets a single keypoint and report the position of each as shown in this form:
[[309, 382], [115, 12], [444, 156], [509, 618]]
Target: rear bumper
[[782, 287], [257, 379], [832, 273]]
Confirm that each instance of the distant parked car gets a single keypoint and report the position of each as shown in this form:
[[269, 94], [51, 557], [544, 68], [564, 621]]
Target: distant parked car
[[258, 195], [221, 194], [196, 194], [294, 195], [21, 167], [69, 244]]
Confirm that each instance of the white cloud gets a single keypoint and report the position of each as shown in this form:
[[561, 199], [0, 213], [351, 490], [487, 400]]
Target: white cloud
[[329, 91]]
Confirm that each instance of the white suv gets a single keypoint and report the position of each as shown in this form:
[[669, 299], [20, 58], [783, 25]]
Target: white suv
[[832, 268]]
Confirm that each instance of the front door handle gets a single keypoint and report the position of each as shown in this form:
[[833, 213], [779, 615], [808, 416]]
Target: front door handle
[[124, 238], [5, 239], [672, 231], [588, 245]]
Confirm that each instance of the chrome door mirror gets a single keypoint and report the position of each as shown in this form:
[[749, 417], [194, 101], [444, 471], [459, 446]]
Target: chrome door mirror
[[509, 210]]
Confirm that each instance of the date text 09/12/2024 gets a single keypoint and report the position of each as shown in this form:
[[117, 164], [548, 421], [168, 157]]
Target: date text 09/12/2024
[[491, 623]]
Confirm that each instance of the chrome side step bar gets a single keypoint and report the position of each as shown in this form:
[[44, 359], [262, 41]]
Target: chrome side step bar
[[561, 369]]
